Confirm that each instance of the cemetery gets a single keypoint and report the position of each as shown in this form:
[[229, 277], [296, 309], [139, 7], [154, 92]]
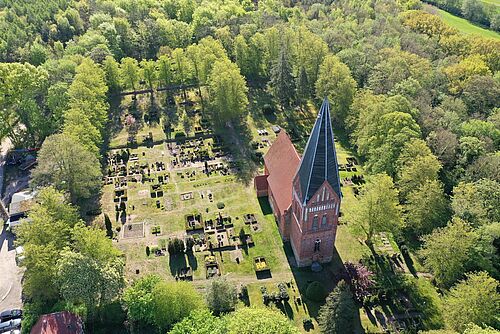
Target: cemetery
[[185, 189]]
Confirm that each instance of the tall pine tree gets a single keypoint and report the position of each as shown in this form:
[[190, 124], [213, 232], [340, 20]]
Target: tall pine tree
[[302, 85], [336, 316], [282, 82]]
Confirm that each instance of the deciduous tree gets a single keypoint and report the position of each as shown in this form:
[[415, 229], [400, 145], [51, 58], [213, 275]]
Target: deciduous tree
[[336, 83], [474, 300], [68, 166], [228, 92], [377, 208]]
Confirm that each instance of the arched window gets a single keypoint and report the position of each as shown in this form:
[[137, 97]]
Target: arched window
[[324, 220], [317, 243], [315, 223]]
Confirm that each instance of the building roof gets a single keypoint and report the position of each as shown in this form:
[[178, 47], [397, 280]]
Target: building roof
[[261, 182], [21, 202], [319, 161], [282, 161], [58, 323]]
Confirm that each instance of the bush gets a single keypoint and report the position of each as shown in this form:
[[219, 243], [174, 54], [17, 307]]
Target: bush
[[316, 292], [179, 134], [221, 295], [220, 205], [267, 109]]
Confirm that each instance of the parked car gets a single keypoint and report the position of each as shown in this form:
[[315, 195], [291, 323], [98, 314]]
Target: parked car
[[10, 314], [10, 325]]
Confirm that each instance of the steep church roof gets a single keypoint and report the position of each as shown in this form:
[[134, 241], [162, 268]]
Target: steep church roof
[[282, 161], [319, 161]]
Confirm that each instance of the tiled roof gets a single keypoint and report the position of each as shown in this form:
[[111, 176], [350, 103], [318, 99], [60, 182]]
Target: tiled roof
[[282, 161], [261, 182], [58, 323], [319, 161]]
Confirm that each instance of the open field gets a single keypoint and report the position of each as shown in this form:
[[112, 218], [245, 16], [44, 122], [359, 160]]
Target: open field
[[465, 26]]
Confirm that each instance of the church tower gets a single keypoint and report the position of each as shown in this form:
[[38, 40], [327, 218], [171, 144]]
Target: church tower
[[316, 195]]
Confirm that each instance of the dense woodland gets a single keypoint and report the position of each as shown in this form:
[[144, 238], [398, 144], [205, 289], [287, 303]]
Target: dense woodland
[[419, 102]]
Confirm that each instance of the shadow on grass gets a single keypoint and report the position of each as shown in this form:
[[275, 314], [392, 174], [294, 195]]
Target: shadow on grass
[[193, 261], [176, 262], [265, 206]]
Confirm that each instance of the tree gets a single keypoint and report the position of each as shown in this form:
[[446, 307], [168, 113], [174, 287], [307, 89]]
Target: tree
[[249, 320], [129, 73], [338, 313], [87, 93], [108, 225], [138, 299], [221, 295], [475, 329], [302, 85], [23, 85], [200, 322], [359, 279], [78, 126], [459, 74], [473, 11], [416, 166], [112, 71], [182, 69], [68, 166], [474, 300], [336, 83], [477, 202], [83, 280], [481, 94], [228, 92], [450, 251], [93, 242], [377, 209], [149, 73], [174, 301], [426, 208], [43, 238], [282, 82]]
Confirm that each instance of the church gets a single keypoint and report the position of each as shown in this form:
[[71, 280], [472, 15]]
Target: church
[[304, 192]]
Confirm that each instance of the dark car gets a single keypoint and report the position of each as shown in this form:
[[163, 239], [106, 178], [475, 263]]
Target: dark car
[[10, 314], [10, 325]]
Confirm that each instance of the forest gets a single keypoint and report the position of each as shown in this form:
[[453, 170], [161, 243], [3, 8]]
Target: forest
[[418, 102]]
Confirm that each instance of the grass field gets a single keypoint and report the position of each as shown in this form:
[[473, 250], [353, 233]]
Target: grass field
[[465, 26]]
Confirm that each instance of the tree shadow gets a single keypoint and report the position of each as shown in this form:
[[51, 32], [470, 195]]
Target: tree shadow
[[176, 262], [192, 260]]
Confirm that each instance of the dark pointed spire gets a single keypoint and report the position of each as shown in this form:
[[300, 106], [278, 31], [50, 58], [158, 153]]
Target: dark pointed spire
[[319, 161]]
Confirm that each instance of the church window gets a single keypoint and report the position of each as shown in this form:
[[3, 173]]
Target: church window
[[317, 198], [317, 243], [315, 223], [324, 220]]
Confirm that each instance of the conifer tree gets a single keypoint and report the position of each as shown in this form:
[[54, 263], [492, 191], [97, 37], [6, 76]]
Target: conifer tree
[[302, 85], [282, 81], [337, 314]]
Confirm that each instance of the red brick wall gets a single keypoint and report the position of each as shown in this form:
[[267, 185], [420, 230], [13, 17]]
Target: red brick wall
[[303, 232]]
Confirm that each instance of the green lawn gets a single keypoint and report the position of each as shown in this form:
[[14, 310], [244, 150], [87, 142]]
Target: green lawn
[[465, 26]]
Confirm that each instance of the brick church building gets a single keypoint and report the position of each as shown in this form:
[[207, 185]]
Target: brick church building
[[304, 192]]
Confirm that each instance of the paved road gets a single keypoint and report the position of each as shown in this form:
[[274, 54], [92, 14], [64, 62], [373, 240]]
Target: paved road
[[10, 274]]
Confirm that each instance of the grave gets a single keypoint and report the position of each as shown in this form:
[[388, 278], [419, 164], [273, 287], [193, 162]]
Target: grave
[[187, 196], [135, 230], [211, 266]]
